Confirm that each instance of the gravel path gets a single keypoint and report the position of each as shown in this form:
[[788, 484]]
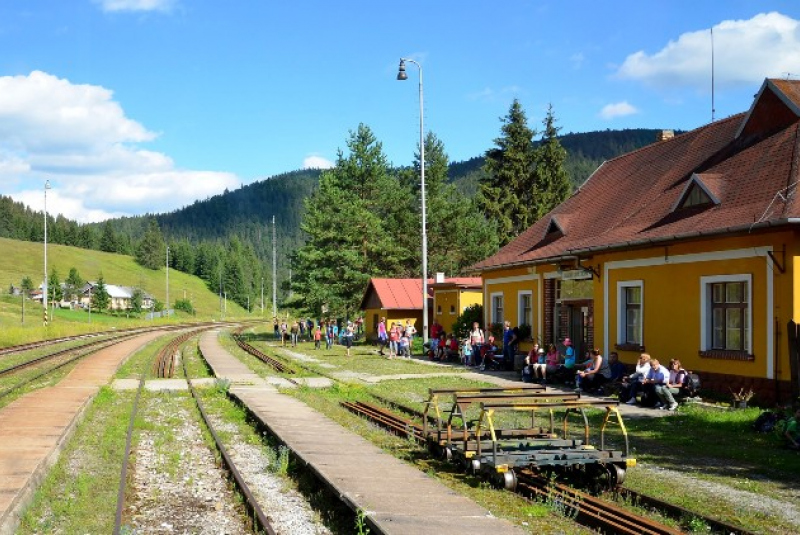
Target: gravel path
[[742, 499], [177, 487], [286, 508]]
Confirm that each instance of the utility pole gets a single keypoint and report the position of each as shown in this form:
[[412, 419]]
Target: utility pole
[[167, 280], [274, 272], [262, 296]]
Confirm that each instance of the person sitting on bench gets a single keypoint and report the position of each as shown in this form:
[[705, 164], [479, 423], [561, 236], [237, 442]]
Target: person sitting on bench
[[632, 384], [598, 375]]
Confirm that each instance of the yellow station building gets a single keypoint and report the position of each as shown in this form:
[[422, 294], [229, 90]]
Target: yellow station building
[[683, 249]]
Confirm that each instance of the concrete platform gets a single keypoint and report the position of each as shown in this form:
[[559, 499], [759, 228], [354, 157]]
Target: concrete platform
[[397, 498], [35, 427]]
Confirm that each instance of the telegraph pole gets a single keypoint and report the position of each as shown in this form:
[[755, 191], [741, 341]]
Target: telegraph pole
[[274, 272]]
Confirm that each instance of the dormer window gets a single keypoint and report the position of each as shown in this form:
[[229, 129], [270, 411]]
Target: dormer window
[[700, 190], [554, 229], [695, 197]]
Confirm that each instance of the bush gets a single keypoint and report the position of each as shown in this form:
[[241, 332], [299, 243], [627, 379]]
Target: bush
[[184, 305], [463, 323]]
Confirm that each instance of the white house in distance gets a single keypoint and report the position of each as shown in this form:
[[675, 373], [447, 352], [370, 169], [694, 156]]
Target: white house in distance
[[120, 297]]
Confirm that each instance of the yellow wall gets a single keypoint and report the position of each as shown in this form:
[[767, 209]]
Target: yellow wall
[[671, 281], [395, 316], [449, 303], [510, 283]]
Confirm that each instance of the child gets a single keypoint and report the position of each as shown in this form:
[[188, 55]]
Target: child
[[404, 350], [317, 337], [466, 353]]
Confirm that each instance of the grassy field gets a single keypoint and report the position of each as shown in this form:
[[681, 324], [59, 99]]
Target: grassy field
[[20, 259]]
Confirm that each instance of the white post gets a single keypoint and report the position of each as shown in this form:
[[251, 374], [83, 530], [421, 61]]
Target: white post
[[44, 286], [401, 76], [167, 309]]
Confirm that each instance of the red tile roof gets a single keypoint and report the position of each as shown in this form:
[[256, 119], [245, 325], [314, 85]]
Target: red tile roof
[[746, 160], [394, 294]]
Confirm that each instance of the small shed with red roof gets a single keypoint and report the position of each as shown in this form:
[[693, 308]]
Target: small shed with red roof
[[684, 249], [397, 300]]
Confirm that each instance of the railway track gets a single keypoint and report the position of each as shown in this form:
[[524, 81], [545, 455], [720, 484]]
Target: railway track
[[260, 521], [586, 508], [266, 359], [164, 364]]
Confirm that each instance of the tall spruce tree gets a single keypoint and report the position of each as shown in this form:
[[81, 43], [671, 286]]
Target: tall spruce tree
[[355, 223], [551, 181], [151, 252], [506, 193]]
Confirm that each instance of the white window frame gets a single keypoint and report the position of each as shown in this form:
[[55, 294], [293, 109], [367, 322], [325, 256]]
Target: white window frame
[[622, 320], [521, 319], [706, 302], [493, 309]]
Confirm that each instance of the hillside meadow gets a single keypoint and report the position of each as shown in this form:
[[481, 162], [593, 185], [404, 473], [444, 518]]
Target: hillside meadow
[[19, 259]]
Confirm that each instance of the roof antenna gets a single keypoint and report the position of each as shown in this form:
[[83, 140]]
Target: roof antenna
[[713, 110]]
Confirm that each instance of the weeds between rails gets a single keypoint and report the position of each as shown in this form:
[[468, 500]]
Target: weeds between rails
[[261, 523]]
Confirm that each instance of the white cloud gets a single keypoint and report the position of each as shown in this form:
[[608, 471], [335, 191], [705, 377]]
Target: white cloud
[[79, 138], [745, 52], [316, 162], [136, 5], [577, 60], [617, 109]]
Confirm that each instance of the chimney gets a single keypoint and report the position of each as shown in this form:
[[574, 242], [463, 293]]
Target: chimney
[[439, 277], [665, 135]]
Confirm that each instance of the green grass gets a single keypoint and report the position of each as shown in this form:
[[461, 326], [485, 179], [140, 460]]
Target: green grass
[[79, 495], [21, 259]]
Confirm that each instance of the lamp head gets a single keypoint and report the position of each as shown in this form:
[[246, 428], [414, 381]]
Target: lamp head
[[47, 184], [401, 72]]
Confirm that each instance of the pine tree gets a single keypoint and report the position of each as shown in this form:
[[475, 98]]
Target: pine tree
[[136, 300], [108, 239], [505, 195], [355, 224], [151, 252], [100, 297], [73, 284], [54, 292], [552, 184]]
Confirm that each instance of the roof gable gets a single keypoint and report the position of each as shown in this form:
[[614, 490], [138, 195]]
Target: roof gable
[[700, 189], [776, 106]]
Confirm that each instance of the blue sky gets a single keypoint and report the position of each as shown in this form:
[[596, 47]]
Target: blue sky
[[135, 106]]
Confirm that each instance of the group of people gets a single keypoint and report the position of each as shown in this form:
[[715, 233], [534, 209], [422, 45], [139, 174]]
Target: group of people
[[656, 383], [591, 374], [398, 338], [308, 330]]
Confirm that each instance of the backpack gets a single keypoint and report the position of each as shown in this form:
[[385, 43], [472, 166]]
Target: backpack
[[691, 384], [766, 422]]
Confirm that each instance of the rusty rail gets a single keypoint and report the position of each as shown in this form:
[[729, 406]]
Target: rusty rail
[[260, 520], [266, 359]]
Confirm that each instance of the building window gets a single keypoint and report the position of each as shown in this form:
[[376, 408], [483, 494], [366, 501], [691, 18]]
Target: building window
[[438, 309], [525, 316], [730, 326], [631, 316], [497, 308], [452, 309], [727, 313]]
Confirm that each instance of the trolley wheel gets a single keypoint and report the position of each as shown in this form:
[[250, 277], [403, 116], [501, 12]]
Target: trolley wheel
[[505, 480], [472, 466], [620, 473], [446, 454]]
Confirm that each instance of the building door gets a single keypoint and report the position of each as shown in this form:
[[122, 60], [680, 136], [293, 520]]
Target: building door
[[578, 317]]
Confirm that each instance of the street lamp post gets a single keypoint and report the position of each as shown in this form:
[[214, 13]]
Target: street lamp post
[[401, 75], [44, 286]]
